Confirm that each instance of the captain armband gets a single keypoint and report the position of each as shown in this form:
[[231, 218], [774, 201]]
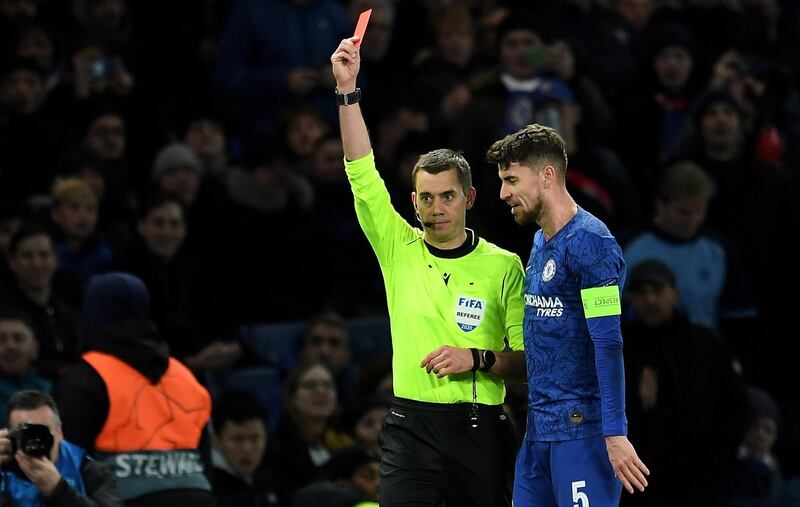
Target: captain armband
[[601, 301]]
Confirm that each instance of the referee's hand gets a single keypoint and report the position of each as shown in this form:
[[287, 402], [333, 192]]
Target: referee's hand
[[447, 360]]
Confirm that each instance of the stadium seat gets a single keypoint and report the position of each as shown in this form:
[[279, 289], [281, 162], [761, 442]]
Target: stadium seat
[[369, 337], [264, 383], [277, 345]]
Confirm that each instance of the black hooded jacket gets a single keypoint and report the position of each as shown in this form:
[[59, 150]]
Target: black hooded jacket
[[116, 317]]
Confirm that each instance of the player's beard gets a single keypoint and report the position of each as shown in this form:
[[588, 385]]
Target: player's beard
[[527, 217]]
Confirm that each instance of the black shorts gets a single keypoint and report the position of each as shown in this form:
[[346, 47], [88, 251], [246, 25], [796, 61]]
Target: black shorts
[[432, 453]]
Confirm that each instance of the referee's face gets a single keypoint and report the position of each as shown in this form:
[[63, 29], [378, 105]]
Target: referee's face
[[442, 207]]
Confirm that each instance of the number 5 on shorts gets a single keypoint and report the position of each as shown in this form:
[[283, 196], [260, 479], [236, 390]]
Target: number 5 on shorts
[[579, 497]]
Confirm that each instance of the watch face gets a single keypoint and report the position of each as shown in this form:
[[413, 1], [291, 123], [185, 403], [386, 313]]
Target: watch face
[[488, 359]]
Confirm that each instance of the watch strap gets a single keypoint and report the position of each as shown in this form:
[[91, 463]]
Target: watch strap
[[346, 99], [476, 360]]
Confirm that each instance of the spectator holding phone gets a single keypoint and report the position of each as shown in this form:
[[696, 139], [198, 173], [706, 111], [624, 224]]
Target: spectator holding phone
[[97, 71]]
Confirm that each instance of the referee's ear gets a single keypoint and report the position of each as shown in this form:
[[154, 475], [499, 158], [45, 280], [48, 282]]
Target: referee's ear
[[471, 195]]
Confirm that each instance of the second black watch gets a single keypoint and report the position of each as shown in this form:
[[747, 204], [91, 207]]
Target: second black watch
[[488, 359]]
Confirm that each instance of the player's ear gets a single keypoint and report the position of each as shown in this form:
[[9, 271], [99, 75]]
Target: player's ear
[[549, 174]]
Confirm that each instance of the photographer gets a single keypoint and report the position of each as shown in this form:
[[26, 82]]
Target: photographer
[[39, 467]]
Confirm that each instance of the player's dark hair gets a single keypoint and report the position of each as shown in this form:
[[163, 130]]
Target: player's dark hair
[[531, 146]]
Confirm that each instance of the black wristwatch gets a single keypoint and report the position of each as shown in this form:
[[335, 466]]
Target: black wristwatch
[[346, 99], [488, 360]]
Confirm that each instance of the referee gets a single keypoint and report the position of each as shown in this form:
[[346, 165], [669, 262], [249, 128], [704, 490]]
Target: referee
[[455, 303]]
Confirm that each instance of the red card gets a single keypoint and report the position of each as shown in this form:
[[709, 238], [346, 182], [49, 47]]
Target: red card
[[361, 26]]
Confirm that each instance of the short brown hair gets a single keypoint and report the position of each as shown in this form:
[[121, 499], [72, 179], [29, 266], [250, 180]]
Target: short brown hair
[[530, 146], [685, 180], [437, 161]]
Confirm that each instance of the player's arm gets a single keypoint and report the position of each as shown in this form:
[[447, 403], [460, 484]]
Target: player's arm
[[602, 309], [601, 268]]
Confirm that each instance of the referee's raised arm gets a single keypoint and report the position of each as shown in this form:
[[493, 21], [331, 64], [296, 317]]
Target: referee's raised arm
[[346, 62]]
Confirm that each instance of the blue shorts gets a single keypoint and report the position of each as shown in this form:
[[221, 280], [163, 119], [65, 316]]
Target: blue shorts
[[572, 473]]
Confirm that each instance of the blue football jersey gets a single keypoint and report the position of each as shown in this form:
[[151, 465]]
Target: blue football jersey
[[564, 393]]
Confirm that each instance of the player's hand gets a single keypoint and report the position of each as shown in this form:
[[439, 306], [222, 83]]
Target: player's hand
[[40, 471], [628, 468], [346, 62], [447, 360]]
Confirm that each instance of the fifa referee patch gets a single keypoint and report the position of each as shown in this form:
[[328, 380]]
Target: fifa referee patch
[[601, 301]]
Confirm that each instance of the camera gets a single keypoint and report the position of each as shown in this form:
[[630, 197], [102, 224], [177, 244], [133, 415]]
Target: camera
[[35, 440]]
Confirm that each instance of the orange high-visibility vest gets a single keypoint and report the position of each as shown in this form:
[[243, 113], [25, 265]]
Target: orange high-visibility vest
[[143, 416]]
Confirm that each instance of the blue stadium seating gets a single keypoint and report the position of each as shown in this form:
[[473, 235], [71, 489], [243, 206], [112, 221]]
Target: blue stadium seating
[[278, 345], [263, 382], [369, 337]]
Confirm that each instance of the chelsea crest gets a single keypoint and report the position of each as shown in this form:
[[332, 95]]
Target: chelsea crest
[[549, 270]]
